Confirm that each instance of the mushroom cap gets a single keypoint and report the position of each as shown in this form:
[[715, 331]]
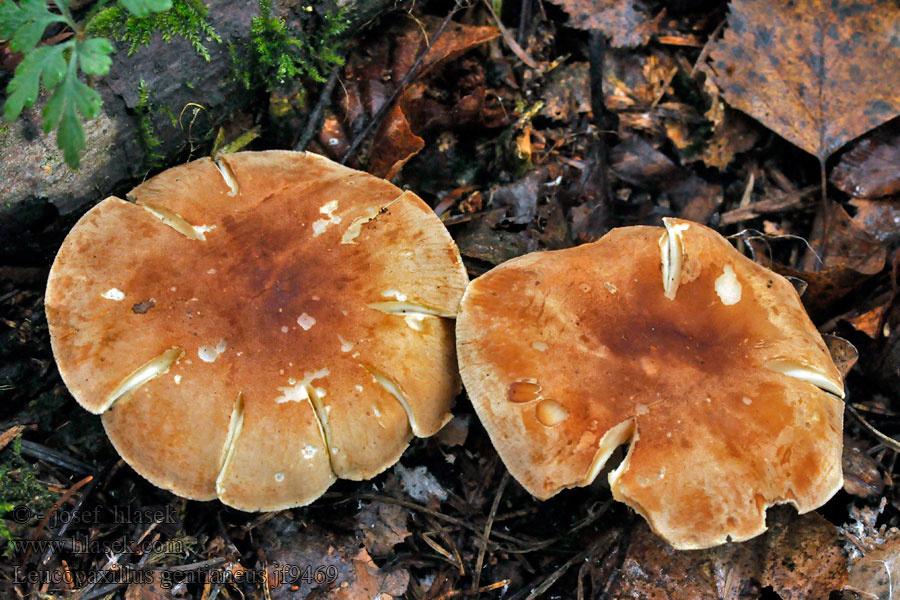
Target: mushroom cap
[[253, 328], [703, 360]]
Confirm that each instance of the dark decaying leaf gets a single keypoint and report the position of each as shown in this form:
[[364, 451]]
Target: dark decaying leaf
[[800, 557], [880, 218], [624, 22], [637, 162], [869, 168], [843, 353], [567, 93], [289, 546], [812, 71], [735, 134], [838, 261], [371, 78], [382, 526], [876, 576], [861, 475]]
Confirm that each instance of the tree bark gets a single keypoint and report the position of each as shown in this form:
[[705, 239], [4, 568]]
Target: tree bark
[[200, 95]]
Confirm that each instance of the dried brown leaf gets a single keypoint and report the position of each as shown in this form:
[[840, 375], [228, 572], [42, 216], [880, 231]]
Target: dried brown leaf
[[861, 475], [810, 70], [877, 574], [567, 93], [395, 144], [382, 526], [623, 21], [839, 260], [880, 218], [869, 168]]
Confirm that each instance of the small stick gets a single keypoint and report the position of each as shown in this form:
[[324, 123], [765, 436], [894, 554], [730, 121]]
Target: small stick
[[479, 564], [312, 122]]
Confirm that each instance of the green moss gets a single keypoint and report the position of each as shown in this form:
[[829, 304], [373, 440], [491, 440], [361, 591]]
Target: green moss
[[146, 132], [186, 19], [19, 486], [280, 53]]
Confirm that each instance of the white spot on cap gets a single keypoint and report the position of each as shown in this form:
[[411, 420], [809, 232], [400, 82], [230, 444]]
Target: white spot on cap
[[177, 379], [308, 451], [211, 272], [345, 345], [211, 353], [747, 401], [728, 287], [114, 294], [359, 388], [299, 391], [202, 230], [611, 288], [279, 477], [305, 321], [641, 409], [321, 225], [415, 321], [540, 346], [394, 294]]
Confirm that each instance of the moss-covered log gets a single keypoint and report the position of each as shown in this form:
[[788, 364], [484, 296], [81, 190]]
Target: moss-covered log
[[161, 103]]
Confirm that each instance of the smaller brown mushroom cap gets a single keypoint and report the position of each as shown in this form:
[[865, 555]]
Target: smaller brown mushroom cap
[[669, 340], [253, 328]]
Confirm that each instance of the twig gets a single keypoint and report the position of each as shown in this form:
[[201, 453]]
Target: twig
[[65, 527], [479, 564], [598, 108], [596, 548], [886, 440], [524, 18], [510, 40], [362, 135], [55, 457], [312, 122], [56, 506]]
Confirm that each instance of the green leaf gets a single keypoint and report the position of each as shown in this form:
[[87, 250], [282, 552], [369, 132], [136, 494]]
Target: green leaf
[[142, 8], [47, 62], [93, 56], [70, 98], [25, 22]]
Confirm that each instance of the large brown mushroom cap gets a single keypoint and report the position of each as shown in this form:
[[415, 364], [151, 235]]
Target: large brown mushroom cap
[[253, 328], [670, 339]]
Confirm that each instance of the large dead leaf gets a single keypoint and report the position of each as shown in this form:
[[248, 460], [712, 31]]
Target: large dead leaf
[[800, 557], [623, 21], [812, 71]]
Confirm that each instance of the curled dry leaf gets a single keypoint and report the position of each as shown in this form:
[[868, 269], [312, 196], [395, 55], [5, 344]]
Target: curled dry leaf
[[861, 475], [624, 22], [810, 70], [869, 168]]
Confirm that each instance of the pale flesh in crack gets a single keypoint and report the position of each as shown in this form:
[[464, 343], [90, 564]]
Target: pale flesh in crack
[[230, 257], [729, 403]]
